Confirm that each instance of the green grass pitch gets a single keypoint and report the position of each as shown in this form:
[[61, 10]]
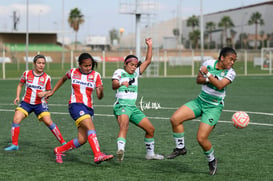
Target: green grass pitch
[[243, 154]]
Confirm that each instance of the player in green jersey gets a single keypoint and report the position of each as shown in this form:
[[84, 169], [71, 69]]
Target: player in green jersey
[[214, 75], [125, 83]]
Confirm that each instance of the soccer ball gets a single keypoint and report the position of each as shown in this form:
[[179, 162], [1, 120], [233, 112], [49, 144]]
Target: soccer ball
[[240, 119]]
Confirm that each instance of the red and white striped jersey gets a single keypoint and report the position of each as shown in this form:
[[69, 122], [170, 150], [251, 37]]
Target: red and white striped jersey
[[33, 85], [82, 86]]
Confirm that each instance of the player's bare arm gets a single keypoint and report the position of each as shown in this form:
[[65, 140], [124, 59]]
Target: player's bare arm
[[149, 54]]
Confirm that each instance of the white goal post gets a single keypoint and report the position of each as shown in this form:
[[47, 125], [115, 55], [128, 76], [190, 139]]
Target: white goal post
[[266, 59]]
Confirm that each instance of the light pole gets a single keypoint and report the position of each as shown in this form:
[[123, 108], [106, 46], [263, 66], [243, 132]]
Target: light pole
[[62, 34], [27, 37], [202, 30]]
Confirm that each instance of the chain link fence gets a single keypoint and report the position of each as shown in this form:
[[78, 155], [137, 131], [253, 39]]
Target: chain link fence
[[165, 63]]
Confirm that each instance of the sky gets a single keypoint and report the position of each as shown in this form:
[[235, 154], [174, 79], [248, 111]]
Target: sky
[[101, 16]]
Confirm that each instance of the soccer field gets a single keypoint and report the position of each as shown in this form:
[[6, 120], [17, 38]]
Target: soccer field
[[243, 154]]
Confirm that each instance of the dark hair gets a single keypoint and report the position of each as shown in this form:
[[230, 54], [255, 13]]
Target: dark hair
[[85, 56], [132, 56], [37, 57], [226, 50]]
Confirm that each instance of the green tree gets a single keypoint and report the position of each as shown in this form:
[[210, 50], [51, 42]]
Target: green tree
[[194, 37], [210, 27], [192, 22], [75, 19], [225, 23], [256, 19]]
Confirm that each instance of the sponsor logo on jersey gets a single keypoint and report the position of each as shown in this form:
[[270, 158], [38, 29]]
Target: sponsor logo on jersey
[[87, 84], [34, 86]]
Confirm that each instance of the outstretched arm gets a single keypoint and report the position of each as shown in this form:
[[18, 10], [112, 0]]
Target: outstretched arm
[[57, 86], [149, 54]]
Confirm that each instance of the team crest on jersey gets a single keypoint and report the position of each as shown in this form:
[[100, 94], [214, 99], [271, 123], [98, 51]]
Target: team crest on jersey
[[41, 81], [90, 78], [122, 110], [81, 113], [223, 73]]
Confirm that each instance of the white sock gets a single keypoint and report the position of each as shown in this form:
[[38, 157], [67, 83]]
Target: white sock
[[179, 142], [210, 156], [121, 145], [150, 148]]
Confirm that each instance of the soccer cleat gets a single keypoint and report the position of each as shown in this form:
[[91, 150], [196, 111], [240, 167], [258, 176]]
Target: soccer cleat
[[120, 155], [58, 155], [176, 152], [102, 157], [154, 157], [12, 147], [212, 167]]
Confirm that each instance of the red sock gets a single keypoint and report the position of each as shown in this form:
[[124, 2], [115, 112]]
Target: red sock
[[57, 134], [93, 141], [15, 135], [68, 146]]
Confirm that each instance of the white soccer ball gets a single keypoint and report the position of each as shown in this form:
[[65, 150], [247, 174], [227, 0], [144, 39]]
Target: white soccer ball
[[240, 119]]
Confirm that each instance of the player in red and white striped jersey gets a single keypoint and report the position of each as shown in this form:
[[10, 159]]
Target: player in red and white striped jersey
[[84, 80], [36, 82]]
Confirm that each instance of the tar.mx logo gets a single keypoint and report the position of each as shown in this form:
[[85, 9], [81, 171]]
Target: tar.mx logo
[[148, 105]]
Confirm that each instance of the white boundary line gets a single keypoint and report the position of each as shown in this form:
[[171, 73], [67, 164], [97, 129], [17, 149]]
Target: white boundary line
[[158, 118], [65, 105]]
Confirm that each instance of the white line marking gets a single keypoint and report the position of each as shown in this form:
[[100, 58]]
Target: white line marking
[[158, 118]]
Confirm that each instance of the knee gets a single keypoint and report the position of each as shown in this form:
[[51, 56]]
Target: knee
[[201, 140], [174, 121]]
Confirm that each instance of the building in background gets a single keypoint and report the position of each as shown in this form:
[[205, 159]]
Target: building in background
[[163, 31]]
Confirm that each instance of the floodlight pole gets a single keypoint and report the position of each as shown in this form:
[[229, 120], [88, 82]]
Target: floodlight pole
[[202, 30], [27, 37], [63, 35], [138, 52]]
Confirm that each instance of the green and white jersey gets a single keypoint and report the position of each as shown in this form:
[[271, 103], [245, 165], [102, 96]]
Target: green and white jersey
[[209, 92], [126, 95]]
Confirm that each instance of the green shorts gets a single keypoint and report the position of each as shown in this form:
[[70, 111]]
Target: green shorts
[[134, 114], [210, 113]]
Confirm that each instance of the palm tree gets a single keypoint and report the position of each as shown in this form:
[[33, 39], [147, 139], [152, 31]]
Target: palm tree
[[225, 23], [210, 26], [194, 37], [192, 22], [75, 19], [256, 18]]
